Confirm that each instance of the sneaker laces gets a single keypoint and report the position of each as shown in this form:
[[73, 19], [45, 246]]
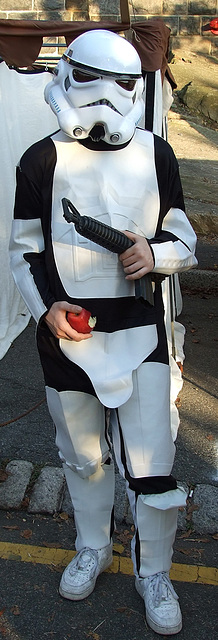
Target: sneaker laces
[[161, 587], [86, 560]]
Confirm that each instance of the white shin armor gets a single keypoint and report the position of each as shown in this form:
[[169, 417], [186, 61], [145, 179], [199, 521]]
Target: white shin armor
[[156, 523], [93, 500]]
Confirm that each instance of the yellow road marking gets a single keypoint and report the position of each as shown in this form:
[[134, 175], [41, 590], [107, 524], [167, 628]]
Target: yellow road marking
[[122, 564]]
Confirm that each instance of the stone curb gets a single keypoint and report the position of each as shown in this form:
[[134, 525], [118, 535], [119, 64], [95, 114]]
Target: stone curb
[[202, 222], [197, 99], [206, 503], [48, 491], [200, 280], [48, 494], [12, 491]]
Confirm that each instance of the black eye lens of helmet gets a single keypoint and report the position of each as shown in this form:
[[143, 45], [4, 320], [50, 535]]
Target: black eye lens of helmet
[[81, 76], [126, 84]]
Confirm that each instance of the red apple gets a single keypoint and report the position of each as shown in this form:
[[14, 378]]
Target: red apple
[[83, 321]]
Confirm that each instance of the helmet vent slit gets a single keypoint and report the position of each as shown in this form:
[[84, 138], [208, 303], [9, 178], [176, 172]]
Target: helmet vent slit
[[67, 83]]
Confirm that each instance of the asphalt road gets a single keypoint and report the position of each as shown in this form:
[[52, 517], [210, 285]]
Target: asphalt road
[[31, 608]]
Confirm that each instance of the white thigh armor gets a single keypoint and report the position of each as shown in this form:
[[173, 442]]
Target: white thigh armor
[[145, 424], [80, 430]]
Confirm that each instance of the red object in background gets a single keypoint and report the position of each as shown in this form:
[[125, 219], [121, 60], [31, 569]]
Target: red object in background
[[83, 322], [214, 26], [211, 26]]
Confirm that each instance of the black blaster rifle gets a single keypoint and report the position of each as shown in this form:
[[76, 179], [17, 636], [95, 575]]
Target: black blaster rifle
[[110, 239]]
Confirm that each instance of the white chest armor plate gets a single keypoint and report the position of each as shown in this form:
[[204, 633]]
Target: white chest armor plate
[[118, 188]]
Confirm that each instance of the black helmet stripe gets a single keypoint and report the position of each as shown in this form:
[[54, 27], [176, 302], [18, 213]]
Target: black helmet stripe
[[100, 72]]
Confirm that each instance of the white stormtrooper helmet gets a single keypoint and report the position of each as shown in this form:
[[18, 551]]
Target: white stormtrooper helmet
[[97, 88]]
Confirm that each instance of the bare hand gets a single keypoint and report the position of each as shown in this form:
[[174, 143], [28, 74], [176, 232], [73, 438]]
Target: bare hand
[[56, 320], [138, 259]]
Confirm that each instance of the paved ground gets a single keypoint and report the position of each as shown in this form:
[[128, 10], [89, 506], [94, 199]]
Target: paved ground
[[31, 607], [196, 76], [196, 148], [194, 139]]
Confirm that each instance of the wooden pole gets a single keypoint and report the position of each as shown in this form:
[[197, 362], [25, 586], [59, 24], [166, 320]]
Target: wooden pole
[[124, 11]]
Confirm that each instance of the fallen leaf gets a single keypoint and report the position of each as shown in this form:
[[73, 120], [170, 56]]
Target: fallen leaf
[[198, 539], [186, 534], [124, 536], [25, 502], [202, 540], [178, 402], [10, 527], [196, 340], [3, 630], [63, 515], [215, 536], [15, 610], [27, 533], [210, 437], [3, 475], [55, 567], [39, 588], [128, 612], [52, 545], [195, 553], [193, 507], [51, 618], [2, 611]]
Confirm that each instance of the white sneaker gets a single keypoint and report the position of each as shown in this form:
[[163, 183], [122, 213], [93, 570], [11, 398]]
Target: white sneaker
[[79, 577], [163, 612]]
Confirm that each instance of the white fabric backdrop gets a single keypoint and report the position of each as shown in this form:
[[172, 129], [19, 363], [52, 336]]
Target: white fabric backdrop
[[24, 119]]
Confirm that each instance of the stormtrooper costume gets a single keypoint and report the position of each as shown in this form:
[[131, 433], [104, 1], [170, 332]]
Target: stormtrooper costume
[[127, 178]]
